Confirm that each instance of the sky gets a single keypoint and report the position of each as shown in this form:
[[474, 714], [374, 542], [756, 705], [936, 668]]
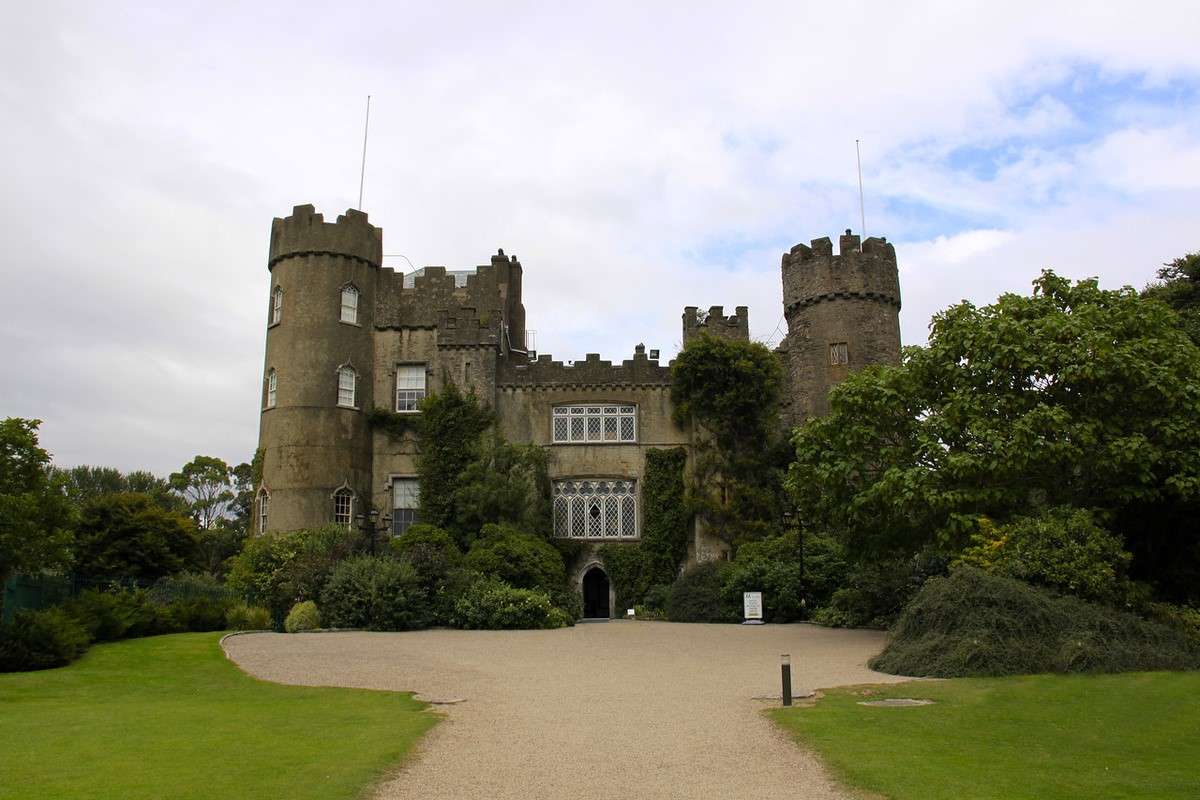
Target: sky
[[636, 157]]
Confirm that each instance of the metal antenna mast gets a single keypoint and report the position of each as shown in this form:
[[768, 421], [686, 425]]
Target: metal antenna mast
[[862, 206], [362, 174]]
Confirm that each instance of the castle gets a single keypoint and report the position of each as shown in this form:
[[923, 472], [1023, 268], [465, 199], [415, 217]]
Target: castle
[[346, 335]]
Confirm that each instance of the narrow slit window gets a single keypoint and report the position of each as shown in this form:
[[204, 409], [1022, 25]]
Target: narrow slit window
[[264, 506], [272, 387], [276, 305]]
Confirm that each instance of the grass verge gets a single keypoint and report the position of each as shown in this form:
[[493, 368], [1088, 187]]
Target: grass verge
[[170, 716], [1046, 736]]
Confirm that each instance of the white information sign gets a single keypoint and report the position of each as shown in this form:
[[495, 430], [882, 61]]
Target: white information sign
[[752, 605]]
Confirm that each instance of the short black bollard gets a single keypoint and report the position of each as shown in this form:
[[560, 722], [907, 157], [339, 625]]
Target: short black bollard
[[786, 669]]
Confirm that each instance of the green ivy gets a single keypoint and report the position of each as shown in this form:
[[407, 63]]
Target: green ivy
[[393, 423], [654, 561], [450, 425]]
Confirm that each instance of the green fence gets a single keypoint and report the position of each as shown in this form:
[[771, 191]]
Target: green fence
[[35, 591]]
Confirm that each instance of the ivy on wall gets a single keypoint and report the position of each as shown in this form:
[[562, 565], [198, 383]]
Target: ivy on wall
[[655, 560], [450, 425]]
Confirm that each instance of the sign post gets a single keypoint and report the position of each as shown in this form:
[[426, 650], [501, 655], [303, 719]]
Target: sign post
[[752, 608]]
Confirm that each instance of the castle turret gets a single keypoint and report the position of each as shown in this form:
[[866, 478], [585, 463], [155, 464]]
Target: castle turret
[[843, 313], [318, 375], [714, 323]]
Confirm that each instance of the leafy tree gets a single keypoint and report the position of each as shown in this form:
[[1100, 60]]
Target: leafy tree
[[35, 517], [281, 569], [1178, 286], [206, 483], [1074, 396], [730, 390], [505, 484], [450, 426], [130, 536], [84, 483]]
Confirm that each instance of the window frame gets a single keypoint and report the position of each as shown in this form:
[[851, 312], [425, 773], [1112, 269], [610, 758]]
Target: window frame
[[276, 306], [272, 388], [343, 370], [839, 354], [614, 500], [346, 494], [417, 394], [351, 289], [594, 423], [264, 508], [401, 522]]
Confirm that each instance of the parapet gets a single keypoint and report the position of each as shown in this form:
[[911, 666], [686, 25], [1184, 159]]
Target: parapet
[[306, 232], [862, 269], [546, 373], [714, 323]]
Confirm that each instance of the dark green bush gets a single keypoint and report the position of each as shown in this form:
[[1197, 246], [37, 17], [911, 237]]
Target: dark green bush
[[874, 593], [976, 624], [519, 559], [378, 593], [243, 617], [492, 604], [304, 616], [656, 598], [279, 570], [696, 595], [104, 615], [438, 562], [40, 640], [199, 614]]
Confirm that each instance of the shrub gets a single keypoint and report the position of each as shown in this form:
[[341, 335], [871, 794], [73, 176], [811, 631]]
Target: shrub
[[1063, 548], [243, 617], [696, 595], [438, 563], [973, 623], [104, 615], [656, 598], [519, 559], [40, 640], [279, 570], [494, 605], [304, 616], [875, 592], [377, 593], [129, 535], [773, 567], [198, 614]]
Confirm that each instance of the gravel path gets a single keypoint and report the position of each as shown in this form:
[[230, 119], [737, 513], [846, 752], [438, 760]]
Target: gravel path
[[616, 710]]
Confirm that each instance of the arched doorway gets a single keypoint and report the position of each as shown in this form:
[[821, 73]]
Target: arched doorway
[[595, 594]]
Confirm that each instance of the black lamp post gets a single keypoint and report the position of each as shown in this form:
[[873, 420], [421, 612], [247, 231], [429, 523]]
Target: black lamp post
[[369, 524]]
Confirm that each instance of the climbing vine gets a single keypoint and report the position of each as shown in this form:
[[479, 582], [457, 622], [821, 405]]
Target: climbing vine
[[655, 560]]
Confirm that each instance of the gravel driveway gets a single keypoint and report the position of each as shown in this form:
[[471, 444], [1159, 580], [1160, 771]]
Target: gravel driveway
[[616, 710]]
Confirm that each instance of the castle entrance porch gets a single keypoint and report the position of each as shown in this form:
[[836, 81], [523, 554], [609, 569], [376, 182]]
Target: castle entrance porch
[[595, 594]]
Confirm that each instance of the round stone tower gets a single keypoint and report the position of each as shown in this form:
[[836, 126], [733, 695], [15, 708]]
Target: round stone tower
[[842, 311], [318, 376]]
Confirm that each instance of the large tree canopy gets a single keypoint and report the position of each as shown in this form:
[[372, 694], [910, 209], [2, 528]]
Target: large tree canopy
[[129, 536], [35, 516], [1074, 396]]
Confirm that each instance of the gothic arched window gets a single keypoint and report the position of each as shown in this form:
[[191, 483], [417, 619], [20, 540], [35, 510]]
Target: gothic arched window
[[349, 305], [276, 305], [272, 386], [347, 378]]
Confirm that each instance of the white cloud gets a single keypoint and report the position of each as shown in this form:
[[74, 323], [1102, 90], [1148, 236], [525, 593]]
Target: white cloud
[[613, 147]]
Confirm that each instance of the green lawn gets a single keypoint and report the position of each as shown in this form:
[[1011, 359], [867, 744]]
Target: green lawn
[[1041, 736], [170, 716]]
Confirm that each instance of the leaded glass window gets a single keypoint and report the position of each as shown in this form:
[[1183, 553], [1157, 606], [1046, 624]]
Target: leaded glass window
[[588, 424], [595, 508]]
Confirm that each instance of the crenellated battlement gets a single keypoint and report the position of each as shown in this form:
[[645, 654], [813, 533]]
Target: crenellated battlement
[[714, 323], [546, 373], [306, 232], [867, 269]]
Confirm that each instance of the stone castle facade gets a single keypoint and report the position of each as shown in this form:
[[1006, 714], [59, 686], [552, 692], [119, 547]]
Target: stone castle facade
[[346, 335]]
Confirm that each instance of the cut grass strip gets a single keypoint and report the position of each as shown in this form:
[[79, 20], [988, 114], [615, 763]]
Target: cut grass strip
[[1046, 736], [170, 716]]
